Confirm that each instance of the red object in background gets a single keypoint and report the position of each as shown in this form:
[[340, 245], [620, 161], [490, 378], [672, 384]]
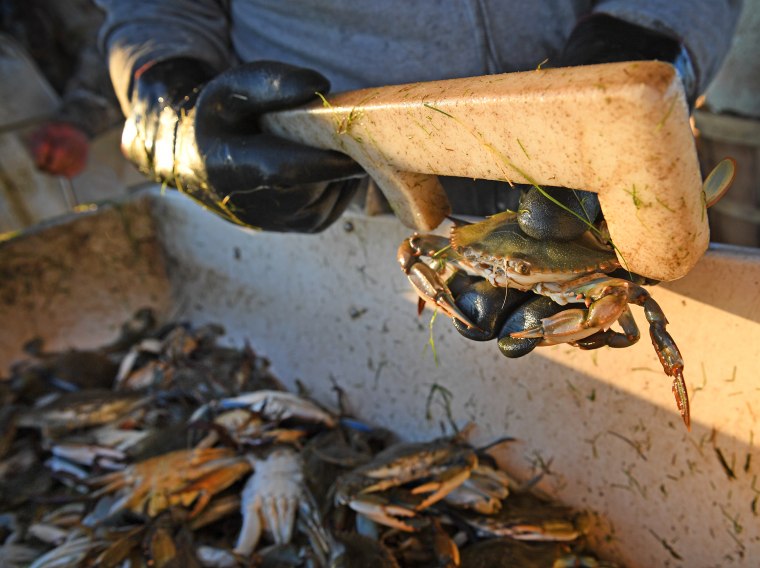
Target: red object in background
[[60, 148]]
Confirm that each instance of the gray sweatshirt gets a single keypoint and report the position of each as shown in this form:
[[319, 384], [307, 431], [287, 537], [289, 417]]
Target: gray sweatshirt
[[365, 43]]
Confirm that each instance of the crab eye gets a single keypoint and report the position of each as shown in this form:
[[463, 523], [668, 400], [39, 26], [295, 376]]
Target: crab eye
[[522, 267]]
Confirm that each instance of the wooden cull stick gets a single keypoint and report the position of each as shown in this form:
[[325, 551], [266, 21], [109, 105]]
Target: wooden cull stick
[[618, 129]]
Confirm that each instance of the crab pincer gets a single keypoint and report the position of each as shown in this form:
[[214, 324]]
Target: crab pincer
[[426, 281]]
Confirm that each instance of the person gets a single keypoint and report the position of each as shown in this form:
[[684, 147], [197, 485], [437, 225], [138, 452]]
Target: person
[[62, 39], [193, 75]]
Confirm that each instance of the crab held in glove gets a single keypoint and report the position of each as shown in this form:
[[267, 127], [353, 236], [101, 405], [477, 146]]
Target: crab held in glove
[[572, 271], [551, 253]]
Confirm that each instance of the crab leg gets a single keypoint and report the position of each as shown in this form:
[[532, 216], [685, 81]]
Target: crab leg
[[667, 350], [426, 281], [664, 345], [607, 300]]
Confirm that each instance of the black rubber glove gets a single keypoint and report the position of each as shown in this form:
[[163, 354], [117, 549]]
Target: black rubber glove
[[199, 132], [596, 39]]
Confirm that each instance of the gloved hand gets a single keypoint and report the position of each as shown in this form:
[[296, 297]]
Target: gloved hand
[[596, 39], [497, 312], [201, 135], [60, 148], [600, 38]]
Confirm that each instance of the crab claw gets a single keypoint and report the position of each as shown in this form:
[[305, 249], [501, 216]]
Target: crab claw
[[432, 289], [384, 513], [682, 398], [428, 284], [270, 499], [575, 324]]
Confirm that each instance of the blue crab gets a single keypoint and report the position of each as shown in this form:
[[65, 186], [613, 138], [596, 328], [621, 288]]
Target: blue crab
[[405, 479], [574, 271], [572, 268], [400, 483]]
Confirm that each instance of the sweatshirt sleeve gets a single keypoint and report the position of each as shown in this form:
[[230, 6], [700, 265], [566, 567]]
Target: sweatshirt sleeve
[[139, 32], [704, 27]]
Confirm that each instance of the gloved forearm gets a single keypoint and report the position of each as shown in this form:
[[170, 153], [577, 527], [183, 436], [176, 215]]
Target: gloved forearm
[[202, 136], [158, 94]]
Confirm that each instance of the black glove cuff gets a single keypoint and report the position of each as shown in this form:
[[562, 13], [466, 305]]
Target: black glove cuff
[[202, 135], [603, 39], [158, 94]]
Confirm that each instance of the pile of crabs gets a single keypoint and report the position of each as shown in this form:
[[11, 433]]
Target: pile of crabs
[[165, 448]]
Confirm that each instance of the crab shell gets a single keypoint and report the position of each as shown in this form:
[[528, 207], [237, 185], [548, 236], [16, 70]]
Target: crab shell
[[498, 250]]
